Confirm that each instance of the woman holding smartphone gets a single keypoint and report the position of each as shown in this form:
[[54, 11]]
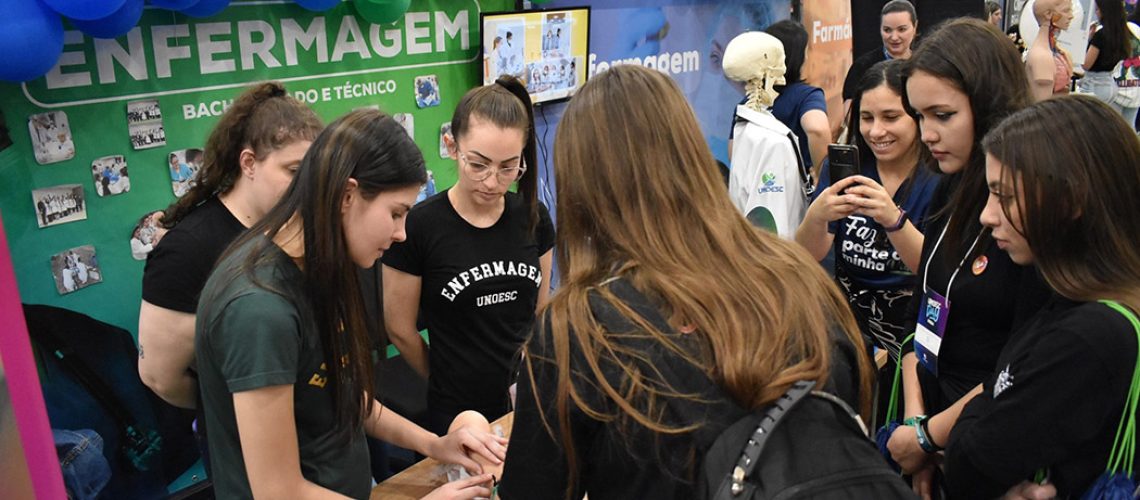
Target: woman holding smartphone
[[874, 218]]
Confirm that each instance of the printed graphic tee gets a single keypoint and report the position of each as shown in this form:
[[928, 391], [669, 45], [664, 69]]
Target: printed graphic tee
[[477, 298]]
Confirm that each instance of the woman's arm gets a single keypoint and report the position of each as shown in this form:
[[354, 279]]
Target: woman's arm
[[876, 203], [401, 306], [818, 131], [1090, 56], [166, 351], [389, 426], [908, 243], [829, 206], [268, 434]]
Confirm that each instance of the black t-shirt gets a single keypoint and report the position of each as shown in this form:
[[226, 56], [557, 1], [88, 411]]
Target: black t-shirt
[[858, 68], [1103, 61], [634, 462], [478, 295], [1054, 401], [177, 269], [247, 338], [985, 308]]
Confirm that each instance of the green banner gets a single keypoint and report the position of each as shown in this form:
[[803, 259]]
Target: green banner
[[109, 117]]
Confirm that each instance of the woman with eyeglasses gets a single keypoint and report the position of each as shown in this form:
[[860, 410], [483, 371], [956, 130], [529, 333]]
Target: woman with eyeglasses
[[477, 260]]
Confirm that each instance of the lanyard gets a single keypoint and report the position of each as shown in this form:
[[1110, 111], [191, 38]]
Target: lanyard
[[926, 271]]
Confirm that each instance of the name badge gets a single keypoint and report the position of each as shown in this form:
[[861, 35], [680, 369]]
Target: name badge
[[932, 315]]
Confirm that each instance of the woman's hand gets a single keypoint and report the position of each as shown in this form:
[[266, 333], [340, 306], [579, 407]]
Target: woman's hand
[[832, 204], [904, 448], [456, 445], [874, 202], [922, 482], [463, 489], [1031, 491]]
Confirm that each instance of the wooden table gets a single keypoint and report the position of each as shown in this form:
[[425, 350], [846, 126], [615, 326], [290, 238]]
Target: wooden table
[[418, 480]]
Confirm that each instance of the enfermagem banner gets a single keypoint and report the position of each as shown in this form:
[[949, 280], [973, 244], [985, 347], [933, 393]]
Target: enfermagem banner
[[115, 130]]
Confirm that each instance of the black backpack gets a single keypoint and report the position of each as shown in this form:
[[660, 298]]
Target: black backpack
[[821, 452]]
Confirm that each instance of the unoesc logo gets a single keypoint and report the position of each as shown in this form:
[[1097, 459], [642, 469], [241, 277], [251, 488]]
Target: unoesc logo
[[769, 184]]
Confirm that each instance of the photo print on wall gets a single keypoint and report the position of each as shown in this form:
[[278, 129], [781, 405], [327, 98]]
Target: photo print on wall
[[427, 91], [444, 131], [408, 121], [183, 165], [146, 234], [428, 189], [110, 175], [144, 119], [59, 204], [75, 269], [51, 137]]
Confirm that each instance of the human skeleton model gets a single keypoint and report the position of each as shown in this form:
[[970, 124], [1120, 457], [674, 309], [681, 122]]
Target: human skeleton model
[[1047, 65], [768, 181]]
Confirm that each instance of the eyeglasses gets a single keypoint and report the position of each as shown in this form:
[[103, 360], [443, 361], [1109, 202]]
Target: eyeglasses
[[479, 171]]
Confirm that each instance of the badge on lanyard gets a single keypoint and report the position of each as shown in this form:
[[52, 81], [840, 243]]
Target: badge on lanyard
[[932, 316]]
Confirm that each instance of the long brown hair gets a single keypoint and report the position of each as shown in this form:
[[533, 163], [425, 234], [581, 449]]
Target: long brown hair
[[640, 196], [1076, 159], [264, 119], [372, 148], [1117, 36], [977, 59], [507, 105]]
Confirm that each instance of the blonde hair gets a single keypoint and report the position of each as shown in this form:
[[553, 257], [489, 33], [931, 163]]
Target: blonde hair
[[640, 196]]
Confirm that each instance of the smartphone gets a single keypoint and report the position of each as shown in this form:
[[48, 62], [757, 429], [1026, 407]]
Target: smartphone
[[843, 161]]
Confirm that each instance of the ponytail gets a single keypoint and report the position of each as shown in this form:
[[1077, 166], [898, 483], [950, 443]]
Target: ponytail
[[264, 118], [507, 105]]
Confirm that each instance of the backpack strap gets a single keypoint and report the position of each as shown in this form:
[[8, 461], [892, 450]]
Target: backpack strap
[[755, 446]]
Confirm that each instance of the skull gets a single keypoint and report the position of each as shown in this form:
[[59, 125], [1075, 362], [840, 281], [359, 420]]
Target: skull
[[757, 59]]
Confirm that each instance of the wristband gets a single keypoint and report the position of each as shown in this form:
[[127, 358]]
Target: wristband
[[898, 223], [922, 431]]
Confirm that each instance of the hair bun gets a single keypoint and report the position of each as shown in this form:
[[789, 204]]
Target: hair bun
[[276, 89]]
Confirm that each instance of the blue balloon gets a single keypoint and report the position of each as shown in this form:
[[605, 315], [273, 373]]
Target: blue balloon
[[85, 9], [174, 4], [31, 39], [318, 5], [206, 8], [115, 25]]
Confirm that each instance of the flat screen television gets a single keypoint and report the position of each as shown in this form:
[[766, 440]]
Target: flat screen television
[[545, 49]]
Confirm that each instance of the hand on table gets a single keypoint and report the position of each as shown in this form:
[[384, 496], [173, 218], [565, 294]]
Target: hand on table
[[463, 489], [455, 446]]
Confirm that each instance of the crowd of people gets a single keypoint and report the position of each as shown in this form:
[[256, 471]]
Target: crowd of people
[[1011, 327]]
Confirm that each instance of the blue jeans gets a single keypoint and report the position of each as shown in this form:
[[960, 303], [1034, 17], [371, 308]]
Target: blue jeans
[[85, 469], [1101, 85]]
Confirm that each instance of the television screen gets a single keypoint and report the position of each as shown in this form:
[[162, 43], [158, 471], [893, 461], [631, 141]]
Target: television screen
[[546, 50]]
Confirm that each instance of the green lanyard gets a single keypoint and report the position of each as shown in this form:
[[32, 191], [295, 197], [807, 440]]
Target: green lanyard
[[1124, 446]]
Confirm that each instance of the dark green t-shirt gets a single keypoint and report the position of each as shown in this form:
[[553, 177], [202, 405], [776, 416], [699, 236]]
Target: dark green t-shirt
[[249, 337]]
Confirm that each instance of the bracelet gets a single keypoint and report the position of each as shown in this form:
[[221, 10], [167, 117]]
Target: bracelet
[[923, 433], [898, 223]]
